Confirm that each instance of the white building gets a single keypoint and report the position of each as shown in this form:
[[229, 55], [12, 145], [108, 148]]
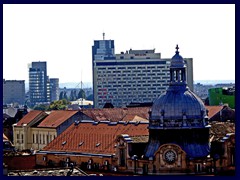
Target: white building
[[133, 76]]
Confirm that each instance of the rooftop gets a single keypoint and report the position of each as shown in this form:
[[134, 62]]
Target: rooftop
[[99, 138]]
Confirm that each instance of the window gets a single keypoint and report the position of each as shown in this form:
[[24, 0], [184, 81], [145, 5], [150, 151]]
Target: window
[[37, 138], [18, 138], [43, 138]]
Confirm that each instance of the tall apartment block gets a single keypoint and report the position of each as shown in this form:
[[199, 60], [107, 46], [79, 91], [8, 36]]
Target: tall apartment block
[[133, 76], [54, 89], [13, 92], [39, 91]]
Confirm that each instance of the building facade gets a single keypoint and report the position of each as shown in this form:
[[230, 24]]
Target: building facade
[[39, 83], [54, 89], [13, 92], [134, 76]]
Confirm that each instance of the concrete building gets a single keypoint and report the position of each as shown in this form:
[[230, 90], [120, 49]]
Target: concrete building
[[13, 92], [54, 89], [38, 83], [133, 76]]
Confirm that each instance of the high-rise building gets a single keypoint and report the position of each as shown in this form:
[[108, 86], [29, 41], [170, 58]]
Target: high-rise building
[[38, 83], [13, 92], [54, 89], [134, 76]]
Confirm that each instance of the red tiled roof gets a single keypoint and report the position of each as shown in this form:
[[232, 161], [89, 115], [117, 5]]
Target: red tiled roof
[[91, 134], [55, 118], [212, 110], [116, 114], [29, 117]]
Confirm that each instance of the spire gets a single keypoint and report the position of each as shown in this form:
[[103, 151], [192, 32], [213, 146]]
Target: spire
[[177, 52], [177, 69]]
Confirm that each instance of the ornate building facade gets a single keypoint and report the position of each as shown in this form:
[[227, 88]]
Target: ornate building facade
[[175, 138]]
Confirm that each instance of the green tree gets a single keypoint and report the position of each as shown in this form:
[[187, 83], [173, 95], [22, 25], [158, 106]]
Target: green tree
[[61, 95], [41, 107], [59, 105], [90, 97], [65, 95], [81, 94], [71, 98]]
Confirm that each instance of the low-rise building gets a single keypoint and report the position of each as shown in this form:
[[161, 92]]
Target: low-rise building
[[38, 128]]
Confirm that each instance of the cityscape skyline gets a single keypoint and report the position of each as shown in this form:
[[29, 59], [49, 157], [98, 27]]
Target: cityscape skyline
[[65, 44]]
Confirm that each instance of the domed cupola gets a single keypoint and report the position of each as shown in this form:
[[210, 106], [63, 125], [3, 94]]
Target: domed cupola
[[178, 107]]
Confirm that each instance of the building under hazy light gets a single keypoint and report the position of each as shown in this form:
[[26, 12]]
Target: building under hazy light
[[13, 92], [131, 76]]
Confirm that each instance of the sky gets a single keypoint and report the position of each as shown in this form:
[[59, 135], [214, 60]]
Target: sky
[[63, 35]]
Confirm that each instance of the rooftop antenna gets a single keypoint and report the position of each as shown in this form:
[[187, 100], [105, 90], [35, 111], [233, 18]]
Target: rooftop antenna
[[103, 35]]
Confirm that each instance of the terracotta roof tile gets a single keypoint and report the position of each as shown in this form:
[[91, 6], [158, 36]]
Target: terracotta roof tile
[[212, 110], [55, 118], [84, 137], [140, 139], [116, 114], [29, 117]]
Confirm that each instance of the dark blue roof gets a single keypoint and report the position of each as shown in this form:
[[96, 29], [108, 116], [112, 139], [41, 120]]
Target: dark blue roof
[[176, 102]]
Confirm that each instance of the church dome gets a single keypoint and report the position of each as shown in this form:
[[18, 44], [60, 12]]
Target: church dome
[[177, 60], [178, 106], [175, 104]]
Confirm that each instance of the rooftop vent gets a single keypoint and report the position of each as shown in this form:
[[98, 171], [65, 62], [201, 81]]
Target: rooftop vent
[[76, 122], [98, 144], [81, 143], [63, 143]]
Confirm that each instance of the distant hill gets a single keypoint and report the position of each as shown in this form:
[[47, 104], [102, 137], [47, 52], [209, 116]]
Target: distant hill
[[89, 84], [214, 82], [68, 85], [76, 85]]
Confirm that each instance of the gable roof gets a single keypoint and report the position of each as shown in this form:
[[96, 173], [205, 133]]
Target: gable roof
[[29, 117], [94, 138], [55, 118], [116, 114]]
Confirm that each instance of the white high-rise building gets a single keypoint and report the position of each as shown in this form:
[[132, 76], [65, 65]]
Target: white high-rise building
[[137, 76]]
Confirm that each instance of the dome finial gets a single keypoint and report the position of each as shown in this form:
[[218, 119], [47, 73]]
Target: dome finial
[[177, 49]]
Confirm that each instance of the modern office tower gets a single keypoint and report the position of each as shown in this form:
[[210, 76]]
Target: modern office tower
[[134, 76], [13, 92], [54, 89], [38, 83], [103, 49]]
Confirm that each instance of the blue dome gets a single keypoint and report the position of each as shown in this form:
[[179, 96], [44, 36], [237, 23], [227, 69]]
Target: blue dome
[[177, 103], [178, 106], [177, 61]]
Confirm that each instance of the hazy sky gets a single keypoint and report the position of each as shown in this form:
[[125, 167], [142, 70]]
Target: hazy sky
[[63, 36]]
